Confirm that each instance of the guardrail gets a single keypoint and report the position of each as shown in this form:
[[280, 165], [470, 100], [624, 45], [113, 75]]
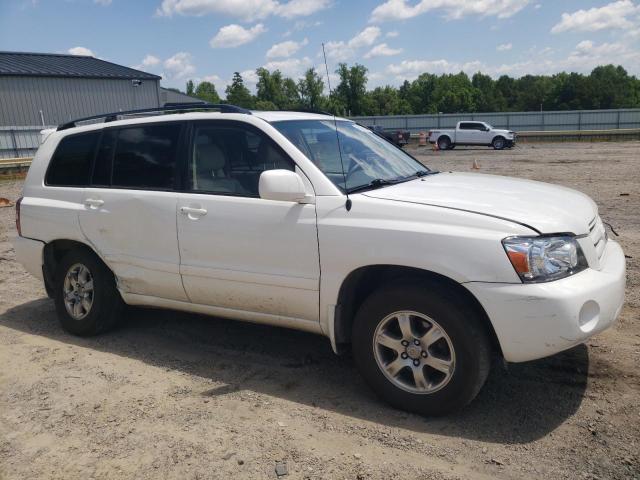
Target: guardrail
[[14, 167]]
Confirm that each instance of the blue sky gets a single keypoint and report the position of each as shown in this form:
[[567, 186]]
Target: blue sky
[[394, 39]]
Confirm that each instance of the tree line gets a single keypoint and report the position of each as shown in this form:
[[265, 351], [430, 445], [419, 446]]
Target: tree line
[[607, 86]]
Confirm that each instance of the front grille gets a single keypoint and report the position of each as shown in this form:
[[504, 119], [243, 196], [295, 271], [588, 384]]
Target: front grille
[[598, 235]]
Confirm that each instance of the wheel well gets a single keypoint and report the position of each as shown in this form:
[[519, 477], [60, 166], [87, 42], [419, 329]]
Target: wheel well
[[360, 283], [52, 255], [444, 136], [497, 136]]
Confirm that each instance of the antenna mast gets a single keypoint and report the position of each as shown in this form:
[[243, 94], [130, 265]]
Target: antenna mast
[[335, 124]]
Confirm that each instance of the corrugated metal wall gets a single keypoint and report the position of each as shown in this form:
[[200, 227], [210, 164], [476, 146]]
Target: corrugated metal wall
[[63, 99], [169, 96], [518, 121]]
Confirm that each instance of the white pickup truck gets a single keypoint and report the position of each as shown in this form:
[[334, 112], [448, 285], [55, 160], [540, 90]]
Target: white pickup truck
[[472, 133]]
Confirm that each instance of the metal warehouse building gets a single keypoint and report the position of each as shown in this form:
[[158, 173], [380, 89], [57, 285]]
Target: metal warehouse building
[[39, 89]]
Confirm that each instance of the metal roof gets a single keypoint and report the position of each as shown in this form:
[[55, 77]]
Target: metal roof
[[63, 65]]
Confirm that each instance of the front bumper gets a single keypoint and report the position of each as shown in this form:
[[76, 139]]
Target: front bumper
[[28, 254], [537, 320]]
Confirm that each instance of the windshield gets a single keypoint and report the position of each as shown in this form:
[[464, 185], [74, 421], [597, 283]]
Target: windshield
[[369, 161]]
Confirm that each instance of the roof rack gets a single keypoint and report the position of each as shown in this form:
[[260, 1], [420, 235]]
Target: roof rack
[[310, 110], [169, 107]]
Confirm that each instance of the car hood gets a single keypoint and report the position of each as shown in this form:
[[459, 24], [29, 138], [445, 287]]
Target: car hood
[[544, 207]]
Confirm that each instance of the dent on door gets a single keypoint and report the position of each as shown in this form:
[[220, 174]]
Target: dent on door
[[135, 233]]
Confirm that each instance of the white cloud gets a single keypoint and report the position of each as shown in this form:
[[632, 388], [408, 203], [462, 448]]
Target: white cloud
[[586, 50], [504, 47], [104, 3], [249, 77], [235, 35], [285, 49], [452, 9], [365, 38], [537, 6], [148, 62], [247, 10], [301, 25], [410, 69], [291, 67], [81, 51], [382, 50], [585, 56], [340, 51], [615, 15], [392, 34], [179, 66], [300, 8]]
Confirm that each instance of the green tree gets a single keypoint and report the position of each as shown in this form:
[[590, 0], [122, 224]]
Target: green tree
[[190, 88], [352, 88], [488, 96], [534, 93], [454, 93], [207, 91], [311, 87], [291, 95], [238, 94], [270, 87], [612, 87], [386, 101]]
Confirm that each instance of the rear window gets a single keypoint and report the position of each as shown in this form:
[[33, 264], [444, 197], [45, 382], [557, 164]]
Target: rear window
[[145, 157], [71, 162]]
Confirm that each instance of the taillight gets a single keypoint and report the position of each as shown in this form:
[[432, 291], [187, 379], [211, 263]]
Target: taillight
[[18, 216]]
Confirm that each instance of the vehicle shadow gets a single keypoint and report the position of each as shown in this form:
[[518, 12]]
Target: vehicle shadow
[[518, 404]]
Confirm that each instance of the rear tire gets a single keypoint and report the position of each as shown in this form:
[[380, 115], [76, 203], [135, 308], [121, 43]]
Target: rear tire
[[422, 377], [85, 294], [444, 143]]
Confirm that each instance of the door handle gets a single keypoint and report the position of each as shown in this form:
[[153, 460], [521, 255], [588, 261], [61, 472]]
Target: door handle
[[93, 202], [193, 211]]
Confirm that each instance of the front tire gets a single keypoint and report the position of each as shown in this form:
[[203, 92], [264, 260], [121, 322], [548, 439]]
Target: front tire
[[498, 143], [87, 300], [421, 348]]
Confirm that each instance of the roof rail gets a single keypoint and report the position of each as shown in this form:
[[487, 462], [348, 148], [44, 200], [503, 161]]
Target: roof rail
[[310, 110], [169, 107]]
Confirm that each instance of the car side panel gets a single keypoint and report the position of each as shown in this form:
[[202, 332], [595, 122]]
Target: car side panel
[[460, 245]]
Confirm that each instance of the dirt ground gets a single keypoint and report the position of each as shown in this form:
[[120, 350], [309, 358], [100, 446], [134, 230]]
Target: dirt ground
[[178, 396]]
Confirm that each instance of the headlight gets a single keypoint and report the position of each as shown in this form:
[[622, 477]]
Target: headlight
[[542, 259]]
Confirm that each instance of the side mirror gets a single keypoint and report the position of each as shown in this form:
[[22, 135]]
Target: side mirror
[[283, 185]]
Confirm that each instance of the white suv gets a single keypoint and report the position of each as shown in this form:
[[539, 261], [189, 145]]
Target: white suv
[[309, 222]]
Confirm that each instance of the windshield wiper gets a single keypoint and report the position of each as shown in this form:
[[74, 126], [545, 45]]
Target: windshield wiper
[[373, 184], [418, 174]]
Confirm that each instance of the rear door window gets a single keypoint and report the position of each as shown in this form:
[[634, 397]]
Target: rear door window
[[146, 157], [71, 163]]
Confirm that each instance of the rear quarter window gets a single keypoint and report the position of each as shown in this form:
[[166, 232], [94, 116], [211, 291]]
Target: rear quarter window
[[70, 165]]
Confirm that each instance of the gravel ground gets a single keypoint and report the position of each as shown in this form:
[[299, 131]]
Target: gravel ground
[[171, 395]]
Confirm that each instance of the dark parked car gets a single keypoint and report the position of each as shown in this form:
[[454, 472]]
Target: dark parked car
[[397, 137]]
